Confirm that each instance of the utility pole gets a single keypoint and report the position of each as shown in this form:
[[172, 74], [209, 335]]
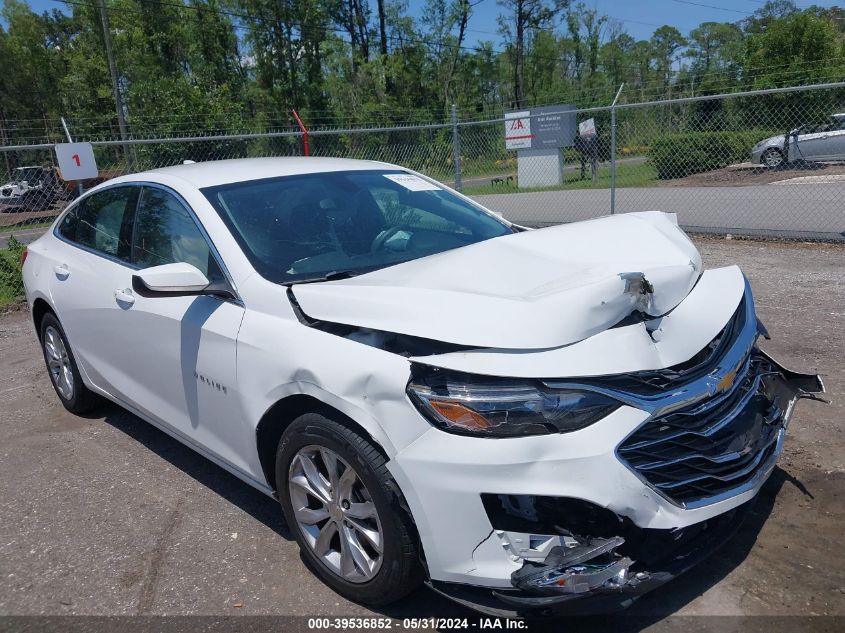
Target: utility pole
[[118, 101], [613, 150], [4, 140], [456, 147]]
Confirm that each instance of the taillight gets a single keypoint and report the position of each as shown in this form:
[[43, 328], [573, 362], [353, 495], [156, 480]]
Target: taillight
[[23, 256]]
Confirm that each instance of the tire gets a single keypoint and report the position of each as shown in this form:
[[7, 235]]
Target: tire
[[772, 157], [370, 577], [62, 368]]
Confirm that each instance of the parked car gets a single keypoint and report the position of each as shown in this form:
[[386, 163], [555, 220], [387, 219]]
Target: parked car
[[812, 143], [31, 189], [523, 419]]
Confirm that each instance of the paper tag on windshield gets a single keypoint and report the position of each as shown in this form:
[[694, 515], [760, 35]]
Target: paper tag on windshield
[[411, 182]]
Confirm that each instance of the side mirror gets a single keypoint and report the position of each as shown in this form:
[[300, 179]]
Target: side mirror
[[179, 279]]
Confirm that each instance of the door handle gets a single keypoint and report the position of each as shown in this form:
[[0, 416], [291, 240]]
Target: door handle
[[62, 271], [124, 297]]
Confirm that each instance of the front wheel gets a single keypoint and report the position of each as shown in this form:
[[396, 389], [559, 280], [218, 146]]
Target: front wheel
[[346, 511], [772, 157]]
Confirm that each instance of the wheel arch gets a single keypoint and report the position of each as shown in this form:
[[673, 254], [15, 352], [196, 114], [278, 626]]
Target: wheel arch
[[279, 417], [40, 307], [772, 150]]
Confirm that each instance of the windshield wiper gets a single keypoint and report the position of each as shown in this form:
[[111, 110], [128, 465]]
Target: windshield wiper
[[330, 276]]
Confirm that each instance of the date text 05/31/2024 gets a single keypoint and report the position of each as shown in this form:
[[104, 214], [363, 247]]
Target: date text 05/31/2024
[[381, 624]]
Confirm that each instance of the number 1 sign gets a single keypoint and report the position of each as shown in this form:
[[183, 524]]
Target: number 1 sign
[[76, 161]]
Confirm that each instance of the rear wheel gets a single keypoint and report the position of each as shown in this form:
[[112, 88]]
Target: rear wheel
[[346, 511], [772, 157], [61, 365]]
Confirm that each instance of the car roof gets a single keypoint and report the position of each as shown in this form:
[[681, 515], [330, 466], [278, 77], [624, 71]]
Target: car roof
[[221, 172]]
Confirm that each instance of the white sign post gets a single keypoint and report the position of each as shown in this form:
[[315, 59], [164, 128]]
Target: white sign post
[[518, 130], [76, 161]]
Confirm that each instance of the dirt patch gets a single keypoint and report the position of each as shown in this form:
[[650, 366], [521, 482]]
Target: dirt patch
[[744, 175]]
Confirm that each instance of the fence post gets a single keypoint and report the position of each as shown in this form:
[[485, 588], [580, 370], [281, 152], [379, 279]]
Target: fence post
[[456, 147], [613, 151]]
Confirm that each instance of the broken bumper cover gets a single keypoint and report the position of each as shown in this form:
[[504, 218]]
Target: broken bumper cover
[[604, 562], [603, 587]]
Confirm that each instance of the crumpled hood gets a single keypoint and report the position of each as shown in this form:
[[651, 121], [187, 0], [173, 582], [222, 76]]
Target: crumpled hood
[[531, 290]]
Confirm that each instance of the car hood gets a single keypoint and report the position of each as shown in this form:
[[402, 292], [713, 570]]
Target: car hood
[[530, 290], [772, 140]]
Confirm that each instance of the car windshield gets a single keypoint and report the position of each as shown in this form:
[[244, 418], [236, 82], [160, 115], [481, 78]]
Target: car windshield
[[320, 226]]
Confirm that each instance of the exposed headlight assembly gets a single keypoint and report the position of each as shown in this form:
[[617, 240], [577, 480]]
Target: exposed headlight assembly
[[493, 407]]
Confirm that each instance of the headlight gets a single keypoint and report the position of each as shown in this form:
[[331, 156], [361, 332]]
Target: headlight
[[494, 407]]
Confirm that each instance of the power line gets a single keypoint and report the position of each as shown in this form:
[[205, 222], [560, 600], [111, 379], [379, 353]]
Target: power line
[[710, 6]]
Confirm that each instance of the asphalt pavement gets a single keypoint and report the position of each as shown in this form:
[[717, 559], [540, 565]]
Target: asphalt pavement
[[814, 211], [25, 236]]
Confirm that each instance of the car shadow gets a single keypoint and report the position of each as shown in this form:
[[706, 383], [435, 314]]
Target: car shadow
[[425, 603], [255, 503]]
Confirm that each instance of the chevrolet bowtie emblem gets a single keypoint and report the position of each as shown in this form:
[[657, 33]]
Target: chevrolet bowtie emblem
[[727, 381]]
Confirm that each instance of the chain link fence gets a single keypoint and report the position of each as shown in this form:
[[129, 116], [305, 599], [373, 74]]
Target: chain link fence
[[767, 163]]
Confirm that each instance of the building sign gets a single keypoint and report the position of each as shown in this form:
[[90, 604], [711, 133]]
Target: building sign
[[76, 161], [541, 128], [587, 128], [518, 130]]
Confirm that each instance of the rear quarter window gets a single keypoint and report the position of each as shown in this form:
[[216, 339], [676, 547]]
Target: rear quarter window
[[103, 222]]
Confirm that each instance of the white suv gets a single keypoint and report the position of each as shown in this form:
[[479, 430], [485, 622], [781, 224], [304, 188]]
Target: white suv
[[526, 420]]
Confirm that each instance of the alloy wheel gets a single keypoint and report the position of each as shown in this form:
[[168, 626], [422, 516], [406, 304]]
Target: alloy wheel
[[335, 513], [58, 361], [773, 158]]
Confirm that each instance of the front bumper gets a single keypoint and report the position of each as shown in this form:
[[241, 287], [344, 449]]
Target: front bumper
[[481, 557], [664, 555]]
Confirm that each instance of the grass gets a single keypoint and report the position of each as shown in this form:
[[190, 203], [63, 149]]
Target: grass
[[11, 282], [627, 175]]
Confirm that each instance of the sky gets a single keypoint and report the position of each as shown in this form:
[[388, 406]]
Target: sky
[[639, 17]]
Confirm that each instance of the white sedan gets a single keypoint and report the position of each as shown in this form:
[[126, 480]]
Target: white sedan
[[522, 419]]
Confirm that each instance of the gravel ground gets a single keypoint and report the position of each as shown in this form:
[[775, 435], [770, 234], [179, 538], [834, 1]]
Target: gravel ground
[[105, 515]]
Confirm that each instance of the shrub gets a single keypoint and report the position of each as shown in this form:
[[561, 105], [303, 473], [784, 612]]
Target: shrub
[[11, 282], [684, 153]]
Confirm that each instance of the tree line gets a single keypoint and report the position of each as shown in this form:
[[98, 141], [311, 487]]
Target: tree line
[[185, 66]]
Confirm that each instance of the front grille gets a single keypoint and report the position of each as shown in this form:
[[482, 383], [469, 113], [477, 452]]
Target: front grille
[[712, 446]]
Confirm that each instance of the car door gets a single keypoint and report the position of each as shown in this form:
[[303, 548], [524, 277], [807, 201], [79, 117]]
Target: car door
[[837, 139], [93, 250], [821, 144], [179, 351]]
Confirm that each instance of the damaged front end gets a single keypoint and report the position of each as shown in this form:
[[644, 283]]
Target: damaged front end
[[715, 430], [596, 562]]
